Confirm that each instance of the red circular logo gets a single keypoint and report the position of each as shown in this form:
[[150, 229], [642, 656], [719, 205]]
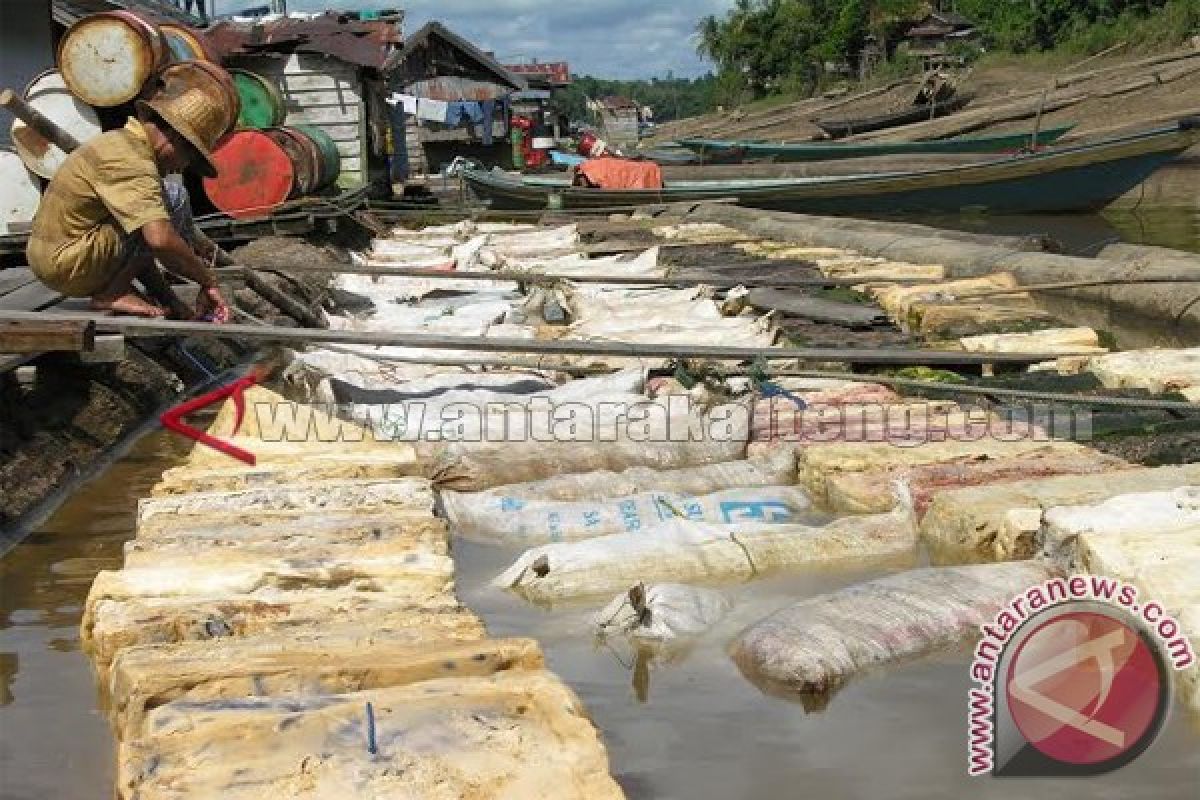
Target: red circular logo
[[1085, 688]]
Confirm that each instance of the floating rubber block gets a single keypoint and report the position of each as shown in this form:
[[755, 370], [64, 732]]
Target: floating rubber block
[[414, 494], [274, 535], [110, 625], [515, 734], [818, 463], [400, 462], [288, 665], [1002, 522], [871, 491]]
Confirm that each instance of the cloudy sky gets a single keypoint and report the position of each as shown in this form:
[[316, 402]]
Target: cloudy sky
[[604, 38]]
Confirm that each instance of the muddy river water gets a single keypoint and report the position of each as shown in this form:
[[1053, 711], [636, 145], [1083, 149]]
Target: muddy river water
[[691, 728]]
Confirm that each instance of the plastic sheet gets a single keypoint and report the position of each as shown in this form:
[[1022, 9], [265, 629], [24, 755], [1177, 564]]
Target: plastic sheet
[[662, 613], [515, 734], [507, 519], [685, 552], [818, 644]]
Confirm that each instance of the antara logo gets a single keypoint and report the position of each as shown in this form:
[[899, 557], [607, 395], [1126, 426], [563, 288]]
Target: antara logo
[[173, 419]]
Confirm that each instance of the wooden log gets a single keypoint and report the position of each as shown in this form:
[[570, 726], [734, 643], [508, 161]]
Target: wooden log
[[288, 305], [39, 122], [798, 304], [133, 326], [47, 336]]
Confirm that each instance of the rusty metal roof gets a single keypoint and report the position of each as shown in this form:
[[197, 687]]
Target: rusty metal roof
[[68, 12], [554, 73], [367, 43], [436, 51]]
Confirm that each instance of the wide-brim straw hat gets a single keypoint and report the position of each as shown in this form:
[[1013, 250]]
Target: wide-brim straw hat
[[196, 117]]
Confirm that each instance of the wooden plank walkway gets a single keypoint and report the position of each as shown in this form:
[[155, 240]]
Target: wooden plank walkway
[[20, 290]]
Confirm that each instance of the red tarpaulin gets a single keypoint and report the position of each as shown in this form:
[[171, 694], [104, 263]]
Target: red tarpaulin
[[620, 173]]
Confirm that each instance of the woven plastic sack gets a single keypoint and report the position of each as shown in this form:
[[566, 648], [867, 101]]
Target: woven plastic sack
[[685, 552], [513, 520], [662, 613], [818, 644]]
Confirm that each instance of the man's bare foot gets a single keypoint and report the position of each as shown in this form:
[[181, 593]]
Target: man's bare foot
[[128, 304]]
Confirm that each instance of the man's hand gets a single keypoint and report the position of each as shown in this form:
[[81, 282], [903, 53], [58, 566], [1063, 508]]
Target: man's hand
[[211, 306]]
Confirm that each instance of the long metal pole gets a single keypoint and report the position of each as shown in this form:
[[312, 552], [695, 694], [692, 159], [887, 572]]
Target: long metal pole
[[134, 327]]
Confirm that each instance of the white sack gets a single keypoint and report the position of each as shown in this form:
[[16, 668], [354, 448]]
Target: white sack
[[661, 613], [519, 521], [685, 552]]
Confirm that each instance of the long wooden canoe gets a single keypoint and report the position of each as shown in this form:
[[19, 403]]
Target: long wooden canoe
[[837, 128], [1080, 178], [711, 149]]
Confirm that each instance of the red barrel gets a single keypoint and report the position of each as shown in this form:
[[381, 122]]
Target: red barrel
[[305, 158], [254, 175]]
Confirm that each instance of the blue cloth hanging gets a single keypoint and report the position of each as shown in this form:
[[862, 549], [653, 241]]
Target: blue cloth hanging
[[488, 109]]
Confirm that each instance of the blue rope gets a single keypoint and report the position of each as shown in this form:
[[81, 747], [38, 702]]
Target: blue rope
[[372, 745], [197, 362]]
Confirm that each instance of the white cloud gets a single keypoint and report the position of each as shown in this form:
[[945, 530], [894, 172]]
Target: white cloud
[[604, 38]]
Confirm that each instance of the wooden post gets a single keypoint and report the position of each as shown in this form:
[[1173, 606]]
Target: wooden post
[[39, 122], [37, 336]]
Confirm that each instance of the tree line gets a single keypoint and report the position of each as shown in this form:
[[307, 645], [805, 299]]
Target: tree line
[[763, 47]]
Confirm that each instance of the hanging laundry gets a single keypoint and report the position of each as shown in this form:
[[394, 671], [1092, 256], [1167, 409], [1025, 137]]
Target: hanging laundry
[[432, 110], [488, 110], [468, 109], [407, 102]]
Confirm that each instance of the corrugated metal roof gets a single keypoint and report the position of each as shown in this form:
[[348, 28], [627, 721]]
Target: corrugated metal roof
[[68, 12], [367, 43]]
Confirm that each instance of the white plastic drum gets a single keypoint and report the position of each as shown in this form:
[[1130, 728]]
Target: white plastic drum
[[20, 195], [48, 93]]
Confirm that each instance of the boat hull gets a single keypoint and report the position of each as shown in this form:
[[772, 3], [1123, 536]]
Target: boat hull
[[1082, 178], [837, 128], [710, 151]]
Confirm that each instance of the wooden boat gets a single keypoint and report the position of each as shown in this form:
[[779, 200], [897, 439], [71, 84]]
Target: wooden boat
[[1080, 178], [708, 149], [837, 128]]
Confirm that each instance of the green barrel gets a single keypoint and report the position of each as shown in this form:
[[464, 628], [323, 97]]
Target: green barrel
[[331, 159], [262, 102]]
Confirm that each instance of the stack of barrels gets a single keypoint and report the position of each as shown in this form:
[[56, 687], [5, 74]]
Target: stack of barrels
[[107, 61]]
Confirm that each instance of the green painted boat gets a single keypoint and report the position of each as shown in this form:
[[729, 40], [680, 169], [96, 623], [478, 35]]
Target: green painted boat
[[826, 151], [1085, 177]]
